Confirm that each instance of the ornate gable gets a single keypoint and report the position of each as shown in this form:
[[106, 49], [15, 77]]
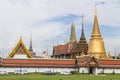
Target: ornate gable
[[93, 61], [21, 50]]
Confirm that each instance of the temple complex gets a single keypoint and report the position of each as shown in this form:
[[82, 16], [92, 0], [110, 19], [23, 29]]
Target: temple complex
[[72, 48], [73, 56]]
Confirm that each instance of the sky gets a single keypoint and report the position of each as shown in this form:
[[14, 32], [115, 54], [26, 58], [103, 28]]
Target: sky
[[49, 22]]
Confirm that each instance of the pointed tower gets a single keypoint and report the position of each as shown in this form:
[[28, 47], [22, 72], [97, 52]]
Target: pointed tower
[[96, 43], [30, 48], [83, 46], [72, 35], [82, 38]]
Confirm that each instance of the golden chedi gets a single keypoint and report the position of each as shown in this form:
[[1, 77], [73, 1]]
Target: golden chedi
[[96, 44], [72, 35]]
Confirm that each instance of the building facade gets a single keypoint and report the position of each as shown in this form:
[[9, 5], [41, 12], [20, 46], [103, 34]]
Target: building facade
[[82, 64]]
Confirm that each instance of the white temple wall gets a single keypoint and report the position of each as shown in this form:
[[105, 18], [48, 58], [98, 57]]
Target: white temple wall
[[107, 70], [83, 70], [39, 69], [35, 69]]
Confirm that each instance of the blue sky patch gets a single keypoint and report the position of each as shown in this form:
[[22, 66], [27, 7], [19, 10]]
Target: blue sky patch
[[66, 19]]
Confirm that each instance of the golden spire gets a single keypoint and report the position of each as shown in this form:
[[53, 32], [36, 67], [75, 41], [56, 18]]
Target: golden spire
[[46, 55], [96, 43], [72, 36], [96, 30]]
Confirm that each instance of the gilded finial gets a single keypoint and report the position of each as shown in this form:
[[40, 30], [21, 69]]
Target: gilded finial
[[95, 11]]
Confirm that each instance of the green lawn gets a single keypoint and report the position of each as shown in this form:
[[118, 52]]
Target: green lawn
[[58, 77]]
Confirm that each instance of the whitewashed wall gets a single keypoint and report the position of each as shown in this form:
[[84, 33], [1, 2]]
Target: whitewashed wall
[[35, 69], [108, 70], [38, 69], [85, 69], [98, 70]]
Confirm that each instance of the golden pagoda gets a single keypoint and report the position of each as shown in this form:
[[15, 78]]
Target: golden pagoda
[[20, 49], [72, 35], [96, 44]]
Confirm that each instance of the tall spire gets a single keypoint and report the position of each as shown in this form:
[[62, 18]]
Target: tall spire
[[30, 48], [96, 46], [72, 36], [83, 46], [96, 30], [82, 34]]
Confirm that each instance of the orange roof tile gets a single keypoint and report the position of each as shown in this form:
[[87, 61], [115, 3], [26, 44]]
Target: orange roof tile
[[38, 62], [60, 47], [109, 62]]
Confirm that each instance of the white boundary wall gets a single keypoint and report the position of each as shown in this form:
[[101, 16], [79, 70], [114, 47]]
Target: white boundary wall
[[35, 69], [83, 69], [39, 69], [98, 70], [107, 70]]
